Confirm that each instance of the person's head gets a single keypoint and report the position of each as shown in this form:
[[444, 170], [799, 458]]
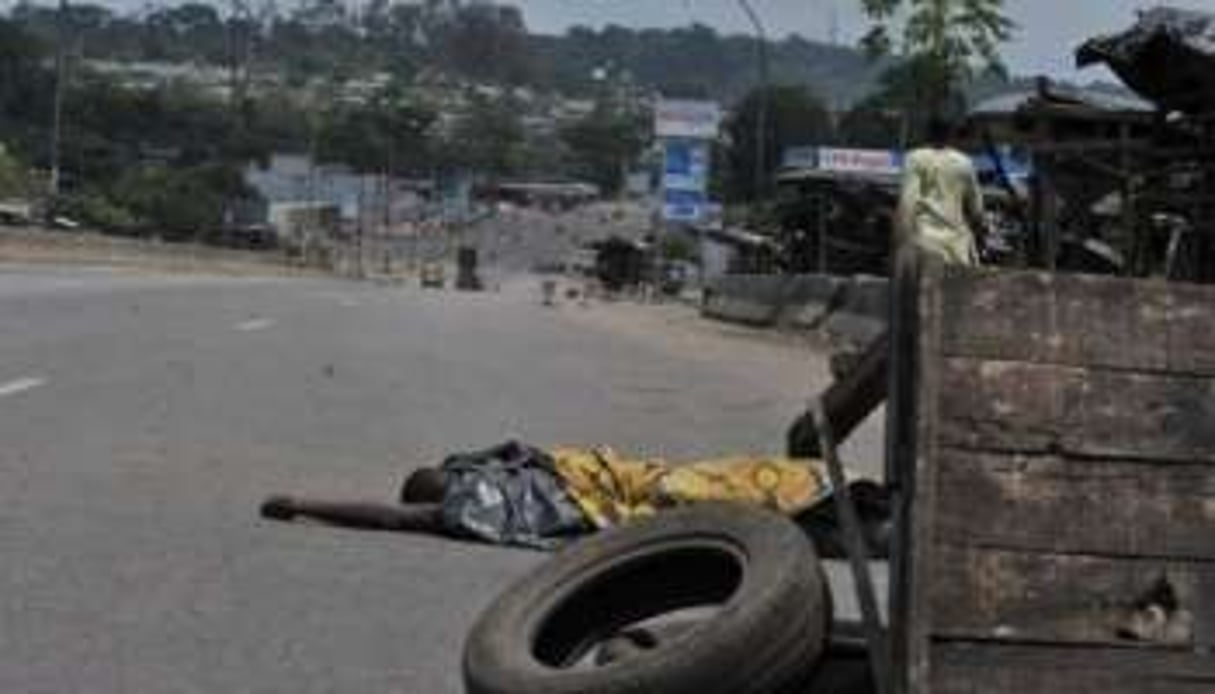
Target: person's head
[[425, 485], [940, 131]]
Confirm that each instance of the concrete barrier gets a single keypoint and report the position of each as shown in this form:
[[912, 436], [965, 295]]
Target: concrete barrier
[[754, 300], [852, 309], [810, 300], [863, 313]]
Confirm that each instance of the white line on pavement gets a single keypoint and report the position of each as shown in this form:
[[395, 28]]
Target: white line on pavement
[[254, 325], [20, 385]]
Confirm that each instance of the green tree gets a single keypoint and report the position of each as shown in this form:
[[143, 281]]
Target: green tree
[[605, 144], [487, 42], [945, 43], [886, 117], [182, 203], [25, 90], [384, 135], [796, 117], [14, 178], [487, 139], [873, 123]]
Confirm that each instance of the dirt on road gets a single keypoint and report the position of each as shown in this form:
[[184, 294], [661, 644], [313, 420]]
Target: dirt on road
[[42, 246]]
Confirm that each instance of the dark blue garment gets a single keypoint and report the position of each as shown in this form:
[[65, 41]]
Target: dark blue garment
[[509, 495]]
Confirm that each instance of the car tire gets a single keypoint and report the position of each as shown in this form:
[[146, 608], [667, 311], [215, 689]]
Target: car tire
[[758, 569]]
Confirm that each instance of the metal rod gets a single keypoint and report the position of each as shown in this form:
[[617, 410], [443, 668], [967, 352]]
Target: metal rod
[[858, 555]]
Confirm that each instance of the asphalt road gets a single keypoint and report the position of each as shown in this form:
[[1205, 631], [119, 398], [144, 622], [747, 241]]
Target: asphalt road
[[143, 418]]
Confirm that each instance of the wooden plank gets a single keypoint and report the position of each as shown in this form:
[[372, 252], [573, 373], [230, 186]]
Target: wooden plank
[[911, 589], [1053, 504], [1191, 332], [1073, 320], [1033, 408], [1000, 595], [960, 668], [851, 399]]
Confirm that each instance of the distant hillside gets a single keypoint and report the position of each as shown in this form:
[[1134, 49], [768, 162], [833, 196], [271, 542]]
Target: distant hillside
[[480, 43], [697, 62]]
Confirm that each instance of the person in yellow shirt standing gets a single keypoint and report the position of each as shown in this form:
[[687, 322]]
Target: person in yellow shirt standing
[[941, 206]]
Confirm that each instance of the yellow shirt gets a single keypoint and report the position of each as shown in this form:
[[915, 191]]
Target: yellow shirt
[[939, 198], [612, 490]]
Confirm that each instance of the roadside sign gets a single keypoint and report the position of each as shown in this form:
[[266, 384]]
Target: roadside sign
[[684, 206], [882, 162], [800, 158], [686, 129], [860, 161], [686, 165], [696, 120], [1018, 166]]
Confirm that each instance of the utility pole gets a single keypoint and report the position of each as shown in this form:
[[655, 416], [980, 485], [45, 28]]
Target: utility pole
[[761, 124], [835, 23], [60, 89]]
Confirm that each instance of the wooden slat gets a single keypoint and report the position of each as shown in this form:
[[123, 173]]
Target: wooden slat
[[1093, 322], [1032, 408], [999, 595], [912, 575], [997, 669], [1058, 505], [1192, 329]]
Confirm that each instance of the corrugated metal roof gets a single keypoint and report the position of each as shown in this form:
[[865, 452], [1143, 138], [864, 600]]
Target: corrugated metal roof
[[1027, 97], [1168, 56]]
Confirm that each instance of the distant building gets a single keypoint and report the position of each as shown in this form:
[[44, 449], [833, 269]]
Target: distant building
[[376, 204]]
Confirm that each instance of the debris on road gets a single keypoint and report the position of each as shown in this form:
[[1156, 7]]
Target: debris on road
[[751, 610], [519, 495]]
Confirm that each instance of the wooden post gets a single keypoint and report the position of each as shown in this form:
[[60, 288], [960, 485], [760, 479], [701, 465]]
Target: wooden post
[[901, 442], [858, 557]]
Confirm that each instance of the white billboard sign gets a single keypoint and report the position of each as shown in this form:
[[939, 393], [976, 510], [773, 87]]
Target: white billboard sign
[[860, 161], [697, 120]]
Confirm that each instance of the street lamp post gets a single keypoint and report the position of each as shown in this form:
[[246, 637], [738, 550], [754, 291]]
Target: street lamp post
[[761, 125]]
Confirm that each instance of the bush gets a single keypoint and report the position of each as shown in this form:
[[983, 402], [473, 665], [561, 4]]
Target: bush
[[93, 209], [14, 179], [179, 203], [675, 247]]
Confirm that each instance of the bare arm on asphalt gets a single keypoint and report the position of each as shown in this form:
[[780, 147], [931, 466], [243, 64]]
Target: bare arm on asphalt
[[420, 518]]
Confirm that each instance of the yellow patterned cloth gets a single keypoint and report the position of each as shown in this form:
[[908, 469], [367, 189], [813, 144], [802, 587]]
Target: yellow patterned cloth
[[612, 490]]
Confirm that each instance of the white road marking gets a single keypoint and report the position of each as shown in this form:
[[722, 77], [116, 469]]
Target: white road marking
[[20, 385], [255, 325]]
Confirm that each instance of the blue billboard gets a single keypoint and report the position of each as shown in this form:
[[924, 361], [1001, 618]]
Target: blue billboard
[[685, 165], [684, 205]]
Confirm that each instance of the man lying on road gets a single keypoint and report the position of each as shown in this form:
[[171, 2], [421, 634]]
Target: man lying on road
[[519, 495]]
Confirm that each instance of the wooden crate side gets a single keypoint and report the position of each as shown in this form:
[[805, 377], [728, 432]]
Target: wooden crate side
[[1064, 483], [1015, 596], [962, 668], [1053, 504], [1091, 322], [1034, 408]]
